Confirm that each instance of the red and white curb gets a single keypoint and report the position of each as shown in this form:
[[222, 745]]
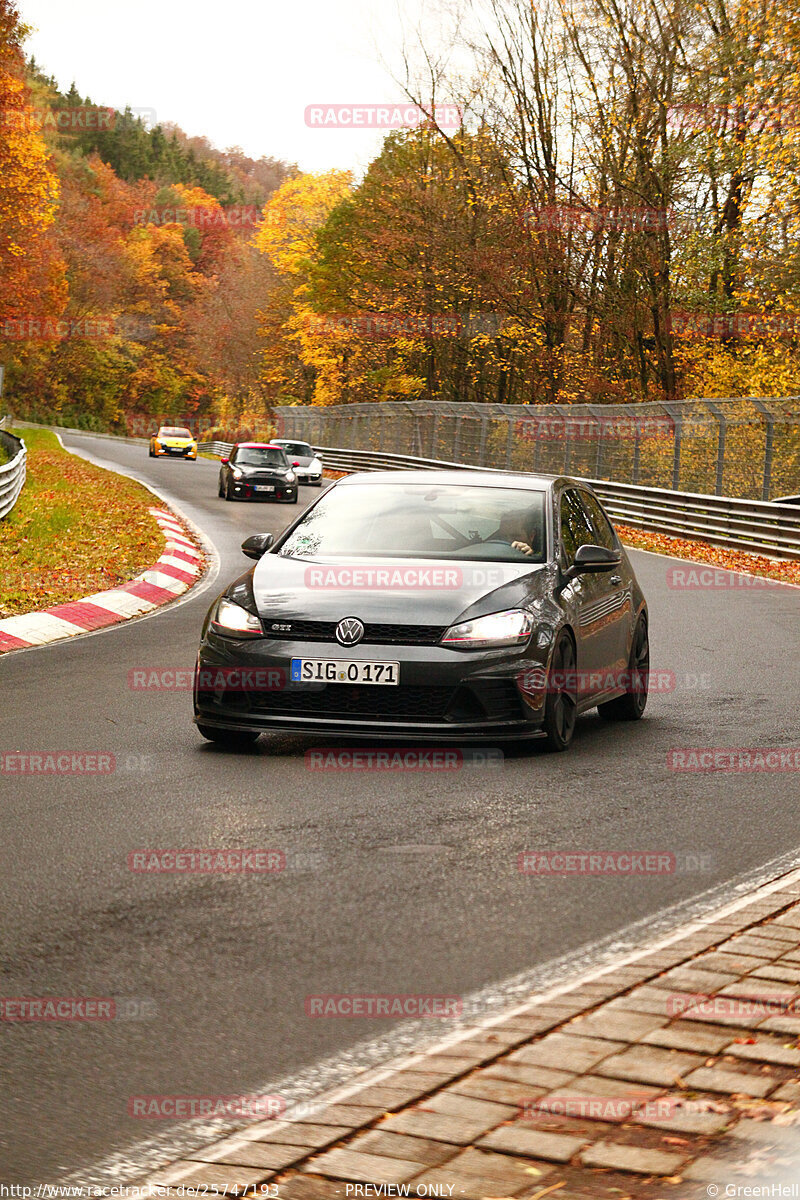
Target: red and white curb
[[179, 568]]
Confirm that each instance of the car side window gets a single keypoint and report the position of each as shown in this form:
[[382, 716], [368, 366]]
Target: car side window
[[576, 528], [233, 454], [602, 526]]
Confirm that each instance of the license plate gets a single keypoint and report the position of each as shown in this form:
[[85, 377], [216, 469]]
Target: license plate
[[332, 670], [264, 487]]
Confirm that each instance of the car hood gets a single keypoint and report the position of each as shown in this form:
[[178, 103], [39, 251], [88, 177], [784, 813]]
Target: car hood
[[328, 589], [303, 459], [171, 441], [261, 469]]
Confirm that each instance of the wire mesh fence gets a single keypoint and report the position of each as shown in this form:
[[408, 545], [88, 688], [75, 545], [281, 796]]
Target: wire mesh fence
[[747, 448]]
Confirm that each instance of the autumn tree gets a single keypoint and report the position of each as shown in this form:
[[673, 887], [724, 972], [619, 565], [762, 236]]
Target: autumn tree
[[31, 276]]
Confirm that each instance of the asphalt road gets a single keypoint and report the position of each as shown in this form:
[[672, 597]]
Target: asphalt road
[[409, 883]]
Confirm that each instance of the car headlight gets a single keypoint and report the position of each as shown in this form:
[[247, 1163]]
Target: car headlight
[[234, 621], [236, 473], [510, 628], [290, 476]]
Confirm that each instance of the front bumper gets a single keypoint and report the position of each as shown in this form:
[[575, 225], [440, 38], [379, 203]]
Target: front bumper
[[442, 695], [176, 451], [247, 491]]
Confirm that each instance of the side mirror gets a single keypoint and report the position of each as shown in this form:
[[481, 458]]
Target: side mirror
[[295, 464], [224, 460], [257, 545], [591, 559]]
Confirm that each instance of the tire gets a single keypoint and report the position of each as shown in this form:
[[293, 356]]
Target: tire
[[227, 737], [631, 706], [292, 501], [220, 491], [228, 494], [560, 709], [151, 453]]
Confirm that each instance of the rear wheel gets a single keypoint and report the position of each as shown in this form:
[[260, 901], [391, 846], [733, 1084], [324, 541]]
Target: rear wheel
[[227, 737], [631, 706], [561, 705]]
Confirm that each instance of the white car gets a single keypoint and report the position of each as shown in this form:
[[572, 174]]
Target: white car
[[307, 464]]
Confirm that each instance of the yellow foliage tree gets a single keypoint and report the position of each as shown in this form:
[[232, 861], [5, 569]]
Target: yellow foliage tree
[[31, 276]]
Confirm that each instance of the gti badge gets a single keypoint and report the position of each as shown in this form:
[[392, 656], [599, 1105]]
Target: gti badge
[[349, 631]]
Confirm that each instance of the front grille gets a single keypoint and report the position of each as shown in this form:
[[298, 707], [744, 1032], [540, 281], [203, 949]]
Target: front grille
[[325, 631], [343, 700], [483, 701]]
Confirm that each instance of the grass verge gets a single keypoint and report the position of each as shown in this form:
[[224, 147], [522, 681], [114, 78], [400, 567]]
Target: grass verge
[[724, 559], [76, 529]]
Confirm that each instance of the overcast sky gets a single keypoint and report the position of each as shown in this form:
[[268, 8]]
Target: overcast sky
[[241, 72]]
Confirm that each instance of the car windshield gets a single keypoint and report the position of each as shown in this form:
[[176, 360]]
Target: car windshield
[[172, 431], [298, 449], [418, 520], [255, 456]]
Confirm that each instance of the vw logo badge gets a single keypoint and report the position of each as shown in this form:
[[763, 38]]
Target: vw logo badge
[[349, 631]]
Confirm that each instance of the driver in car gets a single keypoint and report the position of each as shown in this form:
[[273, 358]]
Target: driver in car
[[521, 531]]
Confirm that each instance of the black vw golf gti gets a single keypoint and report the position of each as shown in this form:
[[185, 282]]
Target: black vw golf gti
[[438, 605]]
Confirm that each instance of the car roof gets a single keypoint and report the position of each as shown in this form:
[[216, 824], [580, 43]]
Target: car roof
[[258, 446], [498, 479]]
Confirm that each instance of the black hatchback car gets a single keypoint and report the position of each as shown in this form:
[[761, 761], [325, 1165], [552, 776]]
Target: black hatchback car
[[439, 605], [257, 471]]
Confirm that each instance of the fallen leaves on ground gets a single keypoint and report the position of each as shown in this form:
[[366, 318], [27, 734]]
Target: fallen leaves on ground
[[76, 529], [721, 557]]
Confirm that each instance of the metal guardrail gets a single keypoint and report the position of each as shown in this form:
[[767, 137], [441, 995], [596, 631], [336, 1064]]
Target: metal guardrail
[[754, 525], [12, 473]]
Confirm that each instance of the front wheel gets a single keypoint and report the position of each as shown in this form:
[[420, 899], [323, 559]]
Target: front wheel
[[227, 737], [631, 706], [151, 452], [561, 705], [228, 493], [291, 499]]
